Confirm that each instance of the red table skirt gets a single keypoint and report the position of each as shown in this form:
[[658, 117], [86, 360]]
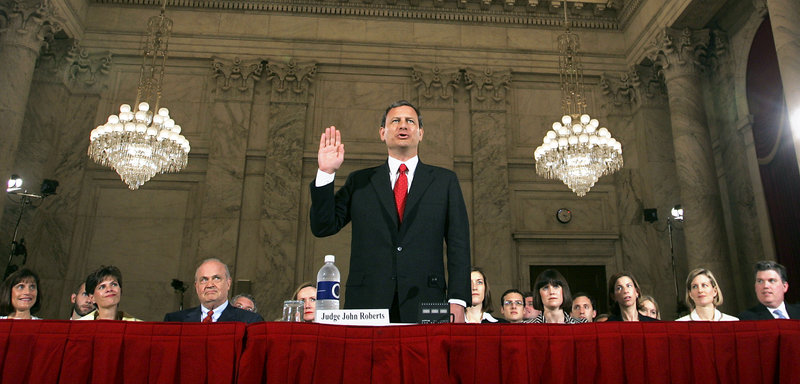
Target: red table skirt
[[660, 352]]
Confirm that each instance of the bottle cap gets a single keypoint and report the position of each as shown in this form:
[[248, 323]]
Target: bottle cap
[[330, 258]]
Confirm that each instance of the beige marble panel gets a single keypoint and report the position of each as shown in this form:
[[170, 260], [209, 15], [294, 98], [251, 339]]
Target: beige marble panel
[[355, 106], [436, 34], [243, 24], [436, 147], [534, 210], [535, 107], [141, 233], [293, 27]]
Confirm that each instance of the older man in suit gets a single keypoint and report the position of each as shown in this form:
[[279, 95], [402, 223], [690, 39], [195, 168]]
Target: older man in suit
[[402, 212], [771, 285], [212, 281]]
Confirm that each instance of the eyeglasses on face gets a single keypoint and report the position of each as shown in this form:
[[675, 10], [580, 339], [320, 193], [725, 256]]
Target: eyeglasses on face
[[515, 302]]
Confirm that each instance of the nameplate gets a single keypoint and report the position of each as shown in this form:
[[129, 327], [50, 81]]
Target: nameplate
[[353, 317]]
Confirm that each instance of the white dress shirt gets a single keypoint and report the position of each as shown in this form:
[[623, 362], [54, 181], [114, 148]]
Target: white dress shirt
[[217, 312]]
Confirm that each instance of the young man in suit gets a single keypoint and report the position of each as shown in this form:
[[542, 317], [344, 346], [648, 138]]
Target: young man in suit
[[212, 281], [402, 212], [771, 285]]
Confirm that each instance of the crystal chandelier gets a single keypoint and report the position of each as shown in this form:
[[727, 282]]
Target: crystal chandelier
[[575, 151], [141, 142]]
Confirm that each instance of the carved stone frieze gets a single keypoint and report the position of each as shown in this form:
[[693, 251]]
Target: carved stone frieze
[[606, 15], [640, 86], [488, 88], [680, 51], [291, 81], [239, 74], [65, 60], [28, 22], [435, 84]]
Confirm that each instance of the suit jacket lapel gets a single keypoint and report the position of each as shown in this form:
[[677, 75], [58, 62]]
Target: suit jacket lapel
[[383, 189], [227, 314], [194, 315], [423, 178]]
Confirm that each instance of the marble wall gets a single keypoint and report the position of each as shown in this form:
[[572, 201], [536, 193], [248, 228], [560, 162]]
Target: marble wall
[[253, 92]]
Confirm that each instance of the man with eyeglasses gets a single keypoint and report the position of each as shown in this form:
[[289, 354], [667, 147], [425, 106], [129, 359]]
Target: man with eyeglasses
[[513, 308], [212, 281]]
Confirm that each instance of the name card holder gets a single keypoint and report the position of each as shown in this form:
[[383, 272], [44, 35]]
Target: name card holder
[[353, 317]]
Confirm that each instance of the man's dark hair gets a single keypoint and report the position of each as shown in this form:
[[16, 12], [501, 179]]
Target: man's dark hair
[[401, 103], [512, 290], [591, 299], [100, 274], [554, 278], [13, 279], [526, 295], [767, 265]]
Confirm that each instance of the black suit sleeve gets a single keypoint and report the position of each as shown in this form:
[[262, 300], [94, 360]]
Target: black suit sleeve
[[457, 239], [329, 213]]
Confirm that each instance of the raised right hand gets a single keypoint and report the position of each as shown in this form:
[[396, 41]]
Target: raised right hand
[[331, 150]]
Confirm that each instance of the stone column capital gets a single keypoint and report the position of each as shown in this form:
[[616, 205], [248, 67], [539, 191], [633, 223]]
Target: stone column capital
[[680, 51], [237, 74], [291, 81], [67, 62], [436, 85], [27, 23], [639, 87], [488, 88]]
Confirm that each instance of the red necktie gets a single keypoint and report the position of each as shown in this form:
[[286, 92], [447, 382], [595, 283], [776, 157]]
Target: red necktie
[[209, 317], [400, 191]]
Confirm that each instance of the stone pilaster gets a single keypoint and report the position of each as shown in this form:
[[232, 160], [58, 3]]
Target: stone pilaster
[[681, 56], [783, 15], [230, 116], [52, 145], [491, 221], [436, 88], [636, 102], [283, 187], [23, 27]]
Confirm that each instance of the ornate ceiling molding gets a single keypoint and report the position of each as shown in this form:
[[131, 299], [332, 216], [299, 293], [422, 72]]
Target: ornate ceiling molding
[[589, 14]]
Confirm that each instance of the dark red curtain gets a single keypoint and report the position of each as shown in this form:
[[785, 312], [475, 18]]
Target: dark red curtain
[[775, 149]]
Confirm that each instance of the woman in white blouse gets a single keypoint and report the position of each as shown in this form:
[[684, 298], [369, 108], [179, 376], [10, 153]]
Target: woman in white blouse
[[704, 295]]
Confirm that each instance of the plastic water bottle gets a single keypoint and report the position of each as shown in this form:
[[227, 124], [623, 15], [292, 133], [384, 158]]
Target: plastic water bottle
[[328, 285]]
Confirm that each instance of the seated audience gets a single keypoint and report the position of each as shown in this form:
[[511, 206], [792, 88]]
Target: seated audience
[[771, 285], [81, 303], [105, 290], [530, 311], [601, 318], [245, 301], [553, 298], [479, 311], [648, 306], [624, 293], [20, 297], [513, 308], [704, 296], [212, 281], [307, 293], [583, 306]]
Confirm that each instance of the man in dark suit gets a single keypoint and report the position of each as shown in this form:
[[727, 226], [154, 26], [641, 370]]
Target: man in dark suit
[[771, 285], [402, 213], [212, 280]]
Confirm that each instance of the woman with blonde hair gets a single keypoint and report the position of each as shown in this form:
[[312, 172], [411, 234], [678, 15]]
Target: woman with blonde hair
[[307, 293], [648, 306], [704, 295]]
